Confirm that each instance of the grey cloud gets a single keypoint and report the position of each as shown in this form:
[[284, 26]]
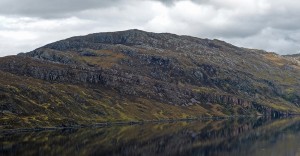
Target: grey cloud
[[167, 2], [51, 8], [273, 40], [171, 2]]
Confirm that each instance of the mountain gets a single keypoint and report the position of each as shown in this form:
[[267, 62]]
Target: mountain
[[136, 75]]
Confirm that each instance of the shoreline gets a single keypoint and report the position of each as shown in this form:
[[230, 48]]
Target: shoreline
[[124, 123], [117, 123]]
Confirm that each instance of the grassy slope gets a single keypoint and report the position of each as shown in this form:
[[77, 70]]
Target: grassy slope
[[28, 102]]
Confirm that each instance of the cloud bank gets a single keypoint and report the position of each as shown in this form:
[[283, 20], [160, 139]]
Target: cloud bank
[[262, 24]]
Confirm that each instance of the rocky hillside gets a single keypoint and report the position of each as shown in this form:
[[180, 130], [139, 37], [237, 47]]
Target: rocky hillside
[[135, 75]]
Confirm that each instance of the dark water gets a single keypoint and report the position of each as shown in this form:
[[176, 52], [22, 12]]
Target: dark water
[[230, 137]]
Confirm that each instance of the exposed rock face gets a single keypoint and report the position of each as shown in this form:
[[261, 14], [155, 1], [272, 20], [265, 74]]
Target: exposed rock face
[[166, 68]]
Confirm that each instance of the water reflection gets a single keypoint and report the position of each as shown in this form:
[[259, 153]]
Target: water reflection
[[243, 136]]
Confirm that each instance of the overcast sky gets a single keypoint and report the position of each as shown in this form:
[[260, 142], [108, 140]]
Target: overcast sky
[[272, 25]]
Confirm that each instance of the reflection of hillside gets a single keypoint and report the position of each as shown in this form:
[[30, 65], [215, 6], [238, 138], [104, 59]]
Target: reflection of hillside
[[226, 137]]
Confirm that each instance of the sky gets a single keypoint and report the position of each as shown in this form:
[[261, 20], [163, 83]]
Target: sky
[[271, 25]]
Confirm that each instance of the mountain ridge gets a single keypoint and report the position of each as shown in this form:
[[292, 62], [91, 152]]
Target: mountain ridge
[[138, 75]]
